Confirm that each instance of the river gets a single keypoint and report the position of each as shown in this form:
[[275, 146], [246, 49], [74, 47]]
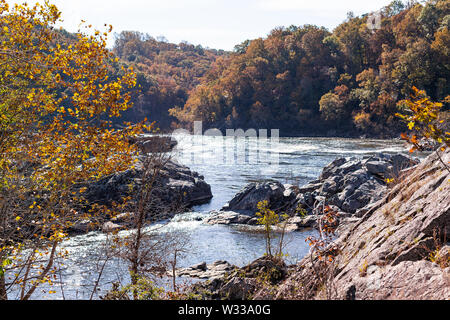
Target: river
[[289, 160]]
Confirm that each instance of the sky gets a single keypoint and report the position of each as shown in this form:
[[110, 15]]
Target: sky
[[218, 24]]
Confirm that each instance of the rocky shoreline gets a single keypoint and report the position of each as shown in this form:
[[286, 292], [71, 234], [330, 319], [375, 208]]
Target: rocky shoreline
[[178, 190], [348, 185], [394, 248], [392, 213]]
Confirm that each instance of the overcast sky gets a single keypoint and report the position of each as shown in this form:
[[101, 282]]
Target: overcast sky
[[219, 24]]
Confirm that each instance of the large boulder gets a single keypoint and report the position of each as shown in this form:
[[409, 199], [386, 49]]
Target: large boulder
[[397, 250], [176, 185], [241, 283], [243, 207], [351, 183], [175, 190], [246, 201], [206, 271], [227, 218]]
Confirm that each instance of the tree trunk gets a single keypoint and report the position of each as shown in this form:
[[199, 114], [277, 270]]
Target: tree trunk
[[174, 272], [3, 294]]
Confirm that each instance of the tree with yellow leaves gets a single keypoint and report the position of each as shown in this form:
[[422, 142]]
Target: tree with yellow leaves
[[425, 118], [56, 105], [270, 219]]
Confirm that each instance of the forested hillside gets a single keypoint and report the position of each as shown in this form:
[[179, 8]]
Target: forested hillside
[[308, 80], [166, 72]]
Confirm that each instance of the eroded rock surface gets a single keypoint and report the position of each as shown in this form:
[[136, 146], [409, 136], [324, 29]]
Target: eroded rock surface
[[248, 198], [203, 271], [397, 250]]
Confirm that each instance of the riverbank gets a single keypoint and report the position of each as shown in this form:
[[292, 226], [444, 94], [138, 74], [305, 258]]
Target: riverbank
[[397, 250], [301, 160], [176, 189]]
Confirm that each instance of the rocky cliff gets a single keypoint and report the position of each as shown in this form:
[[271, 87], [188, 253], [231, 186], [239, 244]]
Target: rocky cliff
[[398, 250]]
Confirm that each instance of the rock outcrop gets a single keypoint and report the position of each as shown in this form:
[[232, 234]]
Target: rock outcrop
[[398, 237], [246, 201], [176, 189], [212, 271], [398, 249], [229, 217], [241, 283], [353, 184], [349, 185], [175, 183]]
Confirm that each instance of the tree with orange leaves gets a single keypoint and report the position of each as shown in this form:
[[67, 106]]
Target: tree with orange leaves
[[425, 118]]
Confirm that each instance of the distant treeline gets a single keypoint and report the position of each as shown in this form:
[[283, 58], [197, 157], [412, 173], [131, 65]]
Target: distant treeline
[[302, 79]]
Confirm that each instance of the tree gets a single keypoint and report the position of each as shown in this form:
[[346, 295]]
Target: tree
[[331, 107], [394, 8], [424, 117], [146, 251], [270, 219], [429, 19], [242, 47], [166, 73], [57, 102]]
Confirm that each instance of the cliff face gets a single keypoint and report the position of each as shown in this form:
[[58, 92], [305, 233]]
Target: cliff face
[[397, 250]]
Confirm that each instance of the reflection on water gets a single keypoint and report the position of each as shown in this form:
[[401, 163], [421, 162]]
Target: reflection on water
[[300, 161]]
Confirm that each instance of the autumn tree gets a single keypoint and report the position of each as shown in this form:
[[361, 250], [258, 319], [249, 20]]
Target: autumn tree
[[331, 107], [57, 103], [270, 220], [426, 119]]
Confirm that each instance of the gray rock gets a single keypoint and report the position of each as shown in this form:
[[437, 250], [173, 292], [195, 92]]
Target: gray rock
[[252, 222], [330, 169], [201, 266], [303, 222], [249, 197], [310, 187], [176, 185], [385, 254], [352, 184], [380, 168], [203, 271], [347, 184], [227, 217], [308, 222], [241, 283], [290, 191], [238, 288]]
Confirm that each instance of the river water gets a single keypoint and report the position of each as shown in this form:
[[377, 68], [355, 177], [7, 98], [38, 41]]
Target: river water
[[228, 164]]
